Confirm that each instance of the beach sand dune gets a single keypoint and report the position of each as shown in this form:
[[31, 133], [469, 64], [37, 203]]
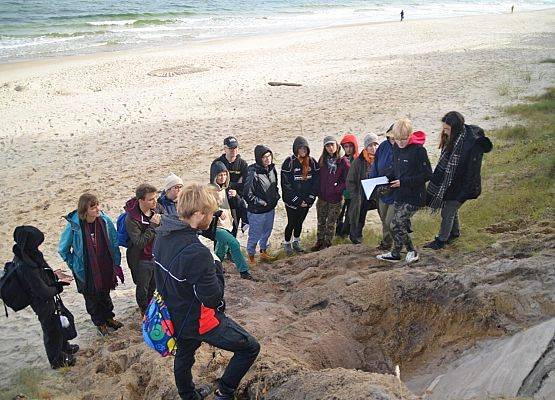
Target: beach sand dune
[[108, 122]]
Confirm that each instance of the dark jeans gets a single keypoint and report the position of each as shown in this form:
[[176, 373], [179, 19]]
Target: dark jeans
[[295, 219], [54, 341], [449, 220], [357, 227], [227, 336], [100, 307], [343, 227], [143, 278]]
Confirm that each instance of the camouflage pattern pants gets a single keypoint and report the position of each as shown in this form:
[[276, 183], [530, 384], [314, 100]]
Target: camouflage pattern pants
[[400, 227], [327, 218]]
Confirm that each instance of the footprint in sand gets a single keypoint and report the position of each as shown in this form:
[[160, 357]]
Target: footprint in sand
[[174, 71]]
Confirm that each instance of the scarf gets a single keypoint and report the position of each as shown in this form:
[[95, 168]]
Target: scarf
[[305, 163], [447, 166], [101, 263], [331, 162], [368, 157]]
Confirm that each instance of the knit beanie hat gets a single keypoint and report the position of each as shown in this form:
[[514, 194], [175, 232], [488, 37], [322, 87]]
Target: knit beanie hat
[[172, 180], [370, 138], [330, 139]]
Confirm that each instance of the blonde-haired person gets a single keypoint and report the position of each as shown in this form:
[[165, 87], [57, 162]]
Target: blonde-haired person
[[192, 285], [411, 171], [90, 248]]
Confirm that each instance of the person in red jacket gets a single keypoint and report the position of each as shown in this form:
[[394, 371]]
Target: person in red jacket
[[350, 145]]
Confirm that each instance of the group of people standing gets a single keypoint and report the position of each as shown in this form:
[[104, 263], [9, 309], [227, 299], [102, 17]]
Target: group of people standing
[[161, 231]]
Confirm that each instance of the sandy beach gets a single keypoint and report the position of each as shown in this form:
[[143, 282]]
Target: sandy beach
[[103, 123]]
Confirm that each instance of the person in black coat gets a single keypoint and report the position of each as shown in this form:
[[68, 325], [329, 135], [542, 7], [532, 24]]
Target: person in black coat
[[457, 176], [43, 286], [300, 185]]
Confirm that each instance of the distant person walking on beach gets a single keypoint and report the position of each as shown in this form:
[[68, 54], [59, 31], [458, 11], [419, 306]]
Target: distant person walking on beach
[[334, 167], [192, 286], [411, 171], [512, 8], [457, 176], [238, 170], [42, 286], [300, 185], [168, 198], [350, 145], [90, 248], [261, 194], [142, 218], [402, 15]]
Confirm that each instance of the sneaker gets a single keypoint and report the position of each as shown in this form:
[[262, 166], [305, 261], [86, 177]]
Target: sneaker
[[102, 330], [220, 396], [384, 246], [453, 237], [436, 244], [71, 348], [317, 246], [412, 256], [389, 257], [266, 257], [297, 246], [66, 360], [252, 260], [354, 239], [288, 249], [247, 275], [113, 323], [202, 392]]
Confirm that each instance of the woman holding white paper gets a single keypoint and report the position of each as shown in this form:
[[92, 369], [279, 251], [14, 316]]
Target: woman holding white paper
[[359, 204]]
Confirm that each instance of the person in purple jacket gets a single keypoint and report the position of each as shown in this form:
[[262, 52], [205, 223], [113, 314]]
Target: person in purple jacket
[[334, 167]]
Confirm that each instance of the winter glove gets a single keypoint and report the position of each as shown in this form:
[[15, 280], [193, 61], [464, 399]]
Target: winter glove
[[59, 287], [119, 273]]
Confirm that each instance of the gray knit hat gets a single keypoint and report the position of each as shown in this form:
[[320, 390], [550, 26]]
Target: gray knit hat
[[370, 138], [171, 181], [330, 139]]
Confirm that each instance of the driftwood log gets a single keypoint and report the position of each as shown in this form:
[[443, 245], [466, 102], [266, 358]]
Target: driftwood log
[[283, 84]]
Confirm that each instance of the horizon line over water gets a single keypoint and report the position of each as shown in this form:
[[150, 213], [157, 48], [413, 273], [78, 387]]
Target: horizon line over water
[[31, 29]]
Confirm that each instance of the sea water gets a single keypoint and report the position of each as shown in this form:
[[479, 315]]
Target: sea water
[[44, 28]]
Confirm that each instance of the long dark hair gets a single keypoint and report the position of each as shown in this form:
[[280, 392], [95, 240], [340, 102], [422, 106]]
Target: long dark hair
[[456, 121], [336, 155]]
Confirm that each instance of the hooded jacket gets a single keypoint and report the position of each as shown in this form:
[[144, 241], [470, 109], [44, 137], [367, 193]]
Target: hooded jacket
[[141, 233], [358, 171], [261, 188], [296, 190], [71, 246], [412, 168], [467, 181], [168, 206], [224, 203], [383, 165], [332, 185], [238, 171], [188, 278], [350, 138]]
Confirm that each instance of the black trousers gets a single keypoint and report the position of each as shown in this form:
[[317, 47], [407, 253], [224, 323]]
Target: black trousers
[[343, 227], [143, 278], [54, 341], [227, 336], [100, 307], [295, 219]]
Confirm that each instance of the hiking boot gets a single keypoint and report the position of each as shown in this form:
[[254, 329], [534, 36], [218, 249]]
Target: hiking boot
[[288, 249], [221, 396], [436, 244], [453, 237], [252, 260], [384, 246], [113, 323], [412, 256], [266, 257], [355, 240], [389, 257], [202, 392], [102, 330], [297, 246], [71, 348], [66, 360], [317, 246], [247, 275]]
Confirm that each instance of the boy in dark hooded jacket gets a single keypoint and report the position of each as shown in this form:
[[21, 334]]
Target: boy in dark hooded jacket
[[411, 171], [300, 185]]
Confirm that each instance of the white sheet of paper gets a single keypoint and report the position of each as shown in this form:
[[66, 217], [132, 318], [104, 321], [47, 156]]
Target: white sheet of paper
[[370, 184]]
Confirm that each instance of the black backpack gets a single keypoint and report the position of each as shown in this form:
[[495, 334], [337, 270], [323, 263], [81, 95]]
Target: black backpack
[[12, 292]]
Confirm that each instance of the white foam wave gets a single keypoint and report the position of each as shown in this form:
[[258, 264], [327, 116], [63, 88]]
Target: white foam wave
[[109, 23]]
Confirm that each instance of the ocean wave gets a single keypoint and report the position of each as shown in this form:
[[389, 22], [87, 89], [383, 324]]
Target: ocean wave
[[108, 23]]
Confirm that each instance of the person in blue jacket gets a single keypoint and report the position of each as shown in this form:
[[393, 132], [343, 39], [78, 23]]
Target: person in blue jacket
[[89, 246], [383, 166]]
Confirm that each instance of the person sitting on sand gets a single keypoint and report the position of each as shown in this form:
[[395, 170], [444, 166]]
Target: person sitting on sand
[[262, 195], [411, 171], [42, 285], [229, 202], [350, 145], [299, 185], [360, 205], [168, 198], [456, 177], [90, 248], [192, 284], [334, 167]]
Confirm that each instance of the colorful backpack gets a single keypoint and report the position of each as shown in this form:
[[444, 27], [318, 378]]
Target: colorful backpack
[[123, 236]]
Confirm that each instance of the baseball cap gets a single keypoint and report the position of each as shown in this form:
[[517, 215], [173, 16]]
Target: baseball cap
[[231, 142]]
